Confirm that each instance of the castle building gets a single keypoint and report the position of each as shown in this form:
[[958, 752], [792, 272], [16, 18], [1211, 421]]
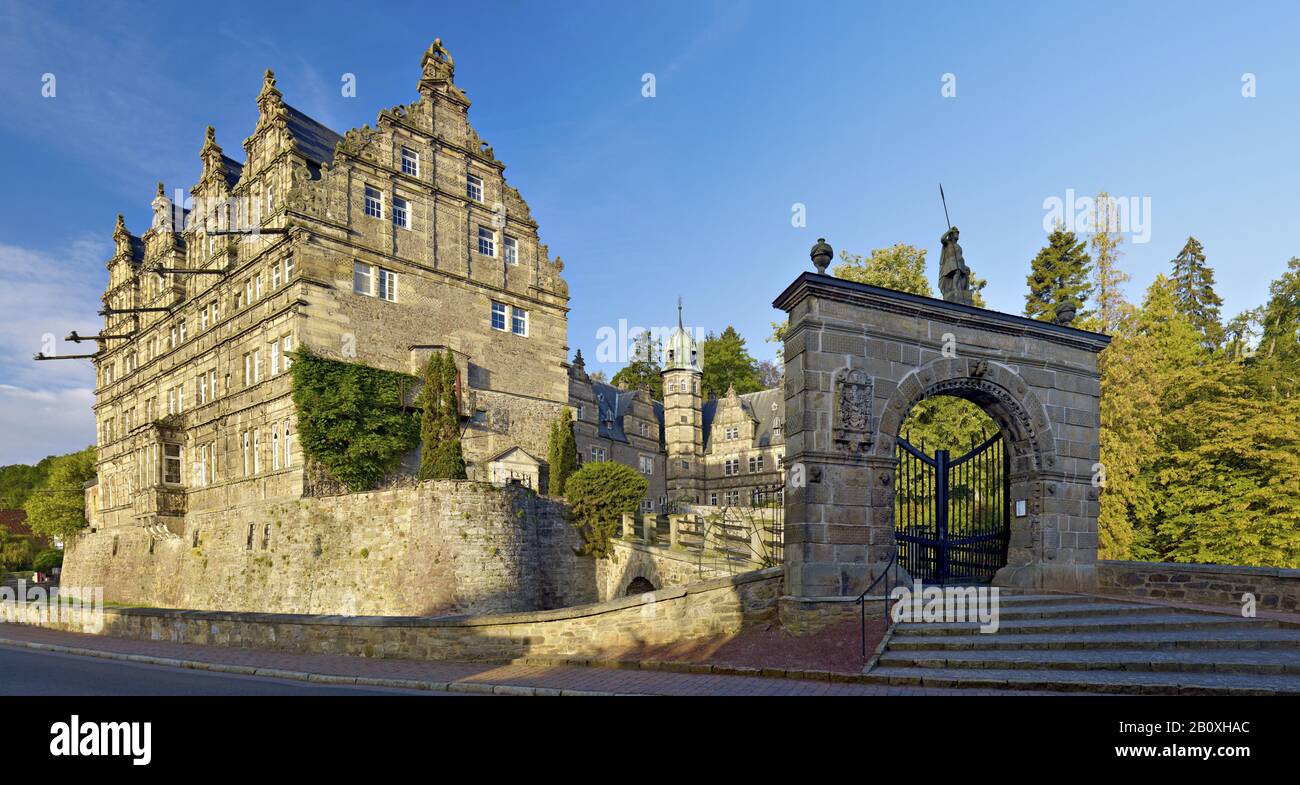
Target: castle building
[[375, 246], [721, 451]]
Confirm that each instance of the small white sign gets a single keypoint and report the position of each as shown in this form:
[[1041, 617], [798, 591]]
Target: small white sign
[[1020, 508]]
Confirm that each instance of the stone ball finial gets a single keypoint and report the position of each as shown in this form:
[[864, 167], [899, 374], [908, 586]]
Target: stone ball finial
[[1065, 312], [821, 255]]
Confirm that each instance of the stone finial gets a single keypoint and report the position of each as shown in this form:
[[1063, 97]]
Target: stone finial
[[1065, 313], [437, 62], [161, 189], [578, 362], [821, 254], [121, 237]]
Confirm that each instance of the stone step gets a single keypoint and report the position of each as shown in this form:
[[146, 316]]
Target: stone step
[[1140, 620], [1098, 681], [1240, 637], [1262, 661], [1009, 612]]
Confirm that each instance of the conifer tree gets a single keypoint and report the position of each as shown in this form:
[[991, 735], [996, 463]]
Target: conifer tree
[[441, 457], [1194, 288], [1059, 274], [562, 453], [727, 363], [1112, 308]]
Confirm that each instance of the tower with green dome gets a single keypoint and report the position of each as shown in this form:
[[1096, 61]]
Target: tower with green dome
[[683, 426]]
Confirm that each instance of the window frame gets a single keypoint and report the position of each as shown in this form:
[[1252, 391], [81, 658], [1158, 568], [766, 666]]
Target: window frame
[[372, 195]]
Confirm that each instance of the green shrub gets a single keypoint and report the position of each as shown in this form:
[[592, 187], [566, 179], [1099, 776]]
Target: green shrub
[[351, 418], [600, 493]]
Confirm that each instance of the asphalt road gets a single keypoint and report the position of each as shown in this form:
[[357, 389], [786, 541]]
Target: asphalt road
[[27, 672]]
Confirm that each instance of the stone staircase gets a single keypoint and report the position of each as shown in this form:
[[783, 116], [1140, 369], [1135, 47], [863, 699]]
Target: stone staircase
[[1074, 643]]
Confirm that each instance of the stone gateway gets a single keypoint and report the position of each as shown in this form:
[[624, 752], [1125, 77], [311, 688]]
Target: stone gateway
[[1038, 381]]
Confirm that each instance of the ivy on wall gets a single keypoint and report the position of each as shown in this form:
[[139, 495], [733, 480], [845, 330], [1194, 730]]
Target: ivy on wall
[[351, 419]]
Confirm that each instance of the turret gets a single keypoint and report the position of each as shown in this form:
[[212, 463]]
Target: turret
[[683, 422]]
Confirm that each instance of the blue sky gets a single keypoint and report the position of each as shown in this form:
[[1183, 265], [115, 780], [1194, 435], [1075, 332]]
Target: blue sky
[[758, 107]]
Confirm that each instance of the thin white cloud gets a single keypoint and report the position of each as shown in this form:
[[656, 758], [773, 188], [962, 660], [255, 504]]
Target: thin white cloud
[[37, 423], [45, 407]]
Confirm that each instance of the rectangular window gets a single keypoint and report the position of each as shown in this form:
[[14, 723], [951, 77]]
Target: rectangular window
[[257, 366], [248, 369], [713, 499], [275, 357], [247, 462], [598, 453], [275, 277], [374, 203], [362, 278], [755, 464], [498, 316], [474, 188], [647, 464], [172, 464], [182, 333], [203, 320], [248, 293], [288, 269], [286, 345], [257, 452], [410, 162], [203, 388], [275, 445], [487, 242], [387, 285], [511, 246], [401, 218], [285, 444], [258, 287], [519, 321]]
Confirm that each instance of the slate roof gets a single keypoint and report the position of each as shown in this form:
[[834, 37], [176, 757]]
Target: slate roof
[[315, 140], [233, 168], [757, 405], [766, 406], [15, 522], [612, 404]]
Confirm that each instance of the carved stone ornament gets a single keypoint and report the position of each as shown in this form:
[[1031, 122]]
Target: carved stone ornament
[[852, 420]]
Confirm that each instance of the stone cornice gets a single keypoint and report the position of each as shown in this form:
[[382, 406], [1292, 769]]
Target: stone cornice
[[917, 306]]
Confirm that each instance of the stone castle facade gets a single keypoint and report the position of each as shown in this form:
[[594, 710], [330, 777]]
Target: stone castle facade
[[375, 246]]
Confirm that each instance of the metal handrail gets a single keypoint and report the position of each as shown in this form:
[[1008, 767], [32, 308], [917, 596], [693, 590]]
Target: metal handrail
[[862, 598]]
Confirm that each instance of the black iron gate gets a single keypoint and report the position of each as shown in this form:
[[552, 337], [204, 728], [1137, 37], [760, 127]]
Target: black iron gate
[[952, 515]]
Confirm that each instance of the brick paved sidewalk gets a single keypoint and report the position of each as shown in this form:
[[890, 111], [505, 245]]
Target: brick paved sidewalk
[[509, 678]]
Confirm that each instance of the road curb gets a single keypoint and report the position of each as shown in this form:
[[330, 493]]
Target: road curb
[[471, 687]]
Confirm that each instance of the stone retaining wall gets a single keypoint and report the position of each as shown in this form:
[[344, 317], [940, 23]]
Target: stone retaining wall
[[1213, 584], [437, 548], [720, 606]]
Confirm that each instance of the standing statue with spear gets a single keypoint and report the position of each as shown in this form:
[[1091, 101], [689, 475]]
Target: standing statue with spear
[[954, 275]]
